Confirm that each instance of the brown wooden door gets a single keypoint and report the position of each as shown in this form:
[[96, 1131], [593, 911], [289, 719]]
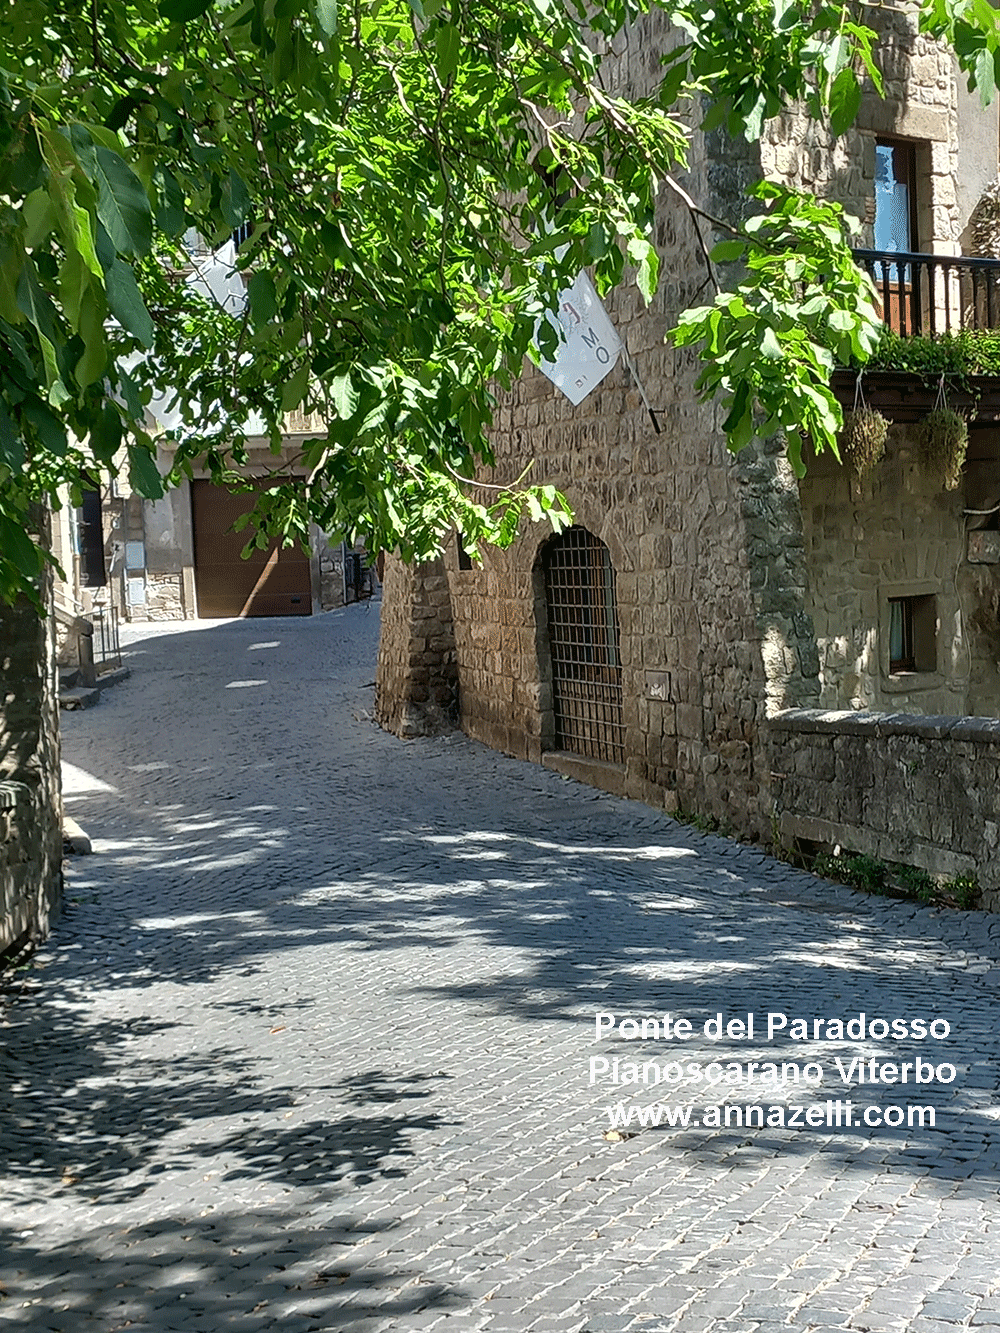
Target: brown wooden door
[[272, 582]]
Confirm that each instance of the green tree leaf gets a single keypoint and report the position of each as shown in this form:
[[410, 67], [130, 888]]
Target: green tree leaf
[[126, 304], [344, 395], [122, 204], [295, 390], [143, 472], [106, 435], [326, 16], [263, 300], [236, 202], [183, 11], [11, 441], [728, 252], [845, 101]]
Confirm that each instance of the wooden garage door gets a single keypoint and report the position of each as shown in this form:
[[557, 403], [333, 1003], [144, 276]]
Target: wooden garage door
[[273, 582]]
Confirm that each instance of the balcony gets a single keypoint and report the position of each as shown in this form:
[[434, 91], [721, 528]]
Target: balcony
[[931, 295], [938, 307]]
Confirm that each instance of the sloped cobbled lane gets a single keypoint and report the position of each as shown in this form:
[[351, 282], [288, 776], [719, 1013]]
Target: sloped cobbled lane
[[315, 1045]]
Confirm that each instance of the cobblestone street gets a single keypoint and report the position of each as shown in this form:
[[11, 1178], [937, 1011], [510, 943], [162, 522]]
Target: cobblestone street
[[310, 1047]]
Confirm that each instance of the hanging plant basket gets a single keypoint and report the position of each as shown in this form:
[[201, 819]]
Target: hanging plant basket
[[862, 441], [944, 439]]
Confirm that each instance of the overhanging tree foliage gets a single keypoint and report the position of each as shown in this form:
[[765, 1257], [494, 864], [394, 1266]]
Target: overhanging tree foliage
[[420, 179]]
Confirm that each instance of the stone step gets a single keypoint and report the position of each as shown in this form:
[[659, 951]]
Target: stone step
[[79, 697], [113, 676], [74, 838]]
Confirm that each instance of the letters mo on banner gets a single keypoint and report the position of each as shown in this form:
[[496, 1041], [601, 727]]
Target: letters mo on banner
[[590, 345]]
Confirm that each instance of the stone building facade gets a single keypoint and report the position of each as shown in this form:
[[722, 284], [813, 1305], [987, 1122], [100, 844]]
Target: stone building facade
[[726, 594], [30, 802], [155, 554]]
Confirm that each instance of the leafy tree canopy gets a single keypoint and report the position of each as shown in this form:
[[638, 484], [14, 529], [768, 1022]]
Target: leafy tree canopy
[[419, 179]]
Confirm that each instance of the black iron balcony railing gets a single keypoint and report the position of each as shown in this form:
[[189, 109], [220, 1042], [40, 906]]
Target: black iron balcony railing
[[934, 294]]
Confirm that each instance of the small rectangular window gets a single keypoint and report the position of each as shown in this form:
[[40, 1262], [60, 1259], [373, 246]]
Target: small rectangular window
[[912, 634], [900, 634], [464, 558]]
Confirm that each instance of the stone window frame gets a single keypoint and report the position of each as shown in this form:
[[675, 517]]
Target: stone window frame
[[923, 677], [927, 129]]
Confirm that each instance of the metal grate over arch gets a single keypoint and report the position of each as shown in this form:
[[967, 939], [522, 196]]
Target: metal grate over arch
[[584, 646]]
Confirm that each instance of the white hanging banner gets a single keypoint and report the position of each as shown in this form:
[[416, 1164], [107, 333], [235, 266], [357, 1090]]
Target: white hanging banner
[[590, 346]]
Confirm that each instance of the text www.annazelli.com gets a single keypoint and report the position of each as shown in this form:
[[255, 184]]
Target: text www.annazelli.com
[[831, 1115]]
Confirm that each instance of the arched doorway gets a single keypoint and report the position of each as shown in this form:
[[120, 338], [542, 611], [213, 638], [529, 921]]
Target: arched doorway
[[583, 643]]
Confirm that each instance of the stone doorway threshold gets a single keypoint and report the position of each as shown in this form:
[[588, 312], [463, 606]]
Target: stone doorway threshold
[[595, 772]]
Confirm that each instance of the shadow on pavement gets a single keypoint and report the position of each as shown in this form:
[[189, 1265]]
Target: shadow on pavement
[[315, 831]]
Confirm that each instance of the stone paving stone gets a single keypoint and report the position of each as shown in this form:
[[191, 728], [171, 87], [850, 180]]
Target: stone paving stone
[[310, 1046]]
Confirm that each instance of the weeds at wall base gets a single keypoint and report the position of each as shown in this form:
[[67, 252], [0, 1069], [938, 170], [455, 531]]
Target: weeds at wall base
[[893, 880], [888, 879], [704, 823]]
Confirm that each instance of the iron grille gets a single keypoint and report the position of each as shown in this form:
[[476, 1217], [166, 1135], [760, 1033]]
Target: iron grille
[[584, 646]]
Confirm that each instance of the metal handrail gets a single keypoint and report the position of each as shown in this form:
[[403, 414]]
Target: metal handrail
[[107, 645], [72, 606], [103, 620], [931, 295]]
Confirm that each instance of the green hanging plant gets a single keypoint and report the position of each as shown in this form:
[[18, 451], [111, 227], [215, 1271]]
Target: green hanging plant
[[862, 441], [944, 439]]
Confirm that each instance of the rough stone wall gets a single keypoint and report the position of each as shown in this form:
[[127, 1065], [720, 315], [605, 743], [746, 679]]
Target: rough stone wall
[[328, 570], [30, 803], [898, 534], [329, 559], [710, 590], [979, 585], [417, 680], [707, 553], [920, 104], [708, 557], [923, 791], [164, 599], [711, 558]]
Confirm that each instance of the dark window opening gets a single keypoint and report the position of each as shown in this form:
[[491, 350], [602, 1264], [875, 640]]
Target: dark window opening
[[901, 634], [464, 558], [912, 634], [242, 234], [90, 540]]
